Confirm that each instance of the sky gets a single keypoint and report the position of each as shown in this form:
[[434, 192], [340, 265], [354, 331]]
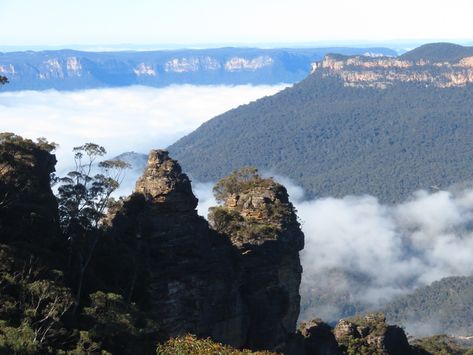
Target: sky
[[219, 22]]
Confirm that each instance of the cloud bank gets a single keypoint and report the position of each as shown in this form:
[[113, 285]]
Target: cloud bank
[[124, 119], [360, 254]]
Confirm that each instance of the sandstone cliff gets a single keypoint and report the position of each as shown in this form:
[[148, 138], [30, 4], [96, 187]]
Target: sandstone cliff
[[241, 289], [371, 333], [262, 225], [381, 72], [28, 208], [192, 275], [367, 334]]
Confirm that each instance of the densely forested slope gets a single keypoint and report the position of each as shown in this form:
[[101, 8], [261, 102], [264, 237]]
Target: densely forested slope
[[338, 140], [444, 306]]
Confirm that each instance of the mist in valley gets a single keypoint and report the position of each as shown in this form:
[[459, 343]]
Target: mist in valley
[[124, 119]]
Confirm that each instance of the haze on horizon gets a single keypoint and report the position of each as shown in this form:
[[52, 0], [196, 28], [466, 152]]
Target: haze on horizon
[[209, 23]]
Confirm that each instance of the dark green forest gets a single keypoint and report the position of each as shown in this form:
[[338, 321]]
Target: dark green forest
[[443, 307], [65, 285], [336, 141]]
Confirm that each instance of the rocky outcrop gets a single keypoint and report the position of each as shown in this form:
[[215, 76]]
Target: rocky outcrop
[[28, 208], [318, 338], [381, 72], [192, 276], [261, 224], [372, 334], [241, 289]]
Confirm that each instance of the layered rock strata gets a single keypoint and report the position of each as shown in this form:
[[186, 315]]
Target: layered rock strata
[[262, 226], [381, 72], [191, 271], [28, 208], [203, 281]]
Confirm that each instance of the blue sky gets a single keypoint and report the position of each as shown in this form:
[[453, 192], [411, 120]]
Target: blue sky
[[215, 22]]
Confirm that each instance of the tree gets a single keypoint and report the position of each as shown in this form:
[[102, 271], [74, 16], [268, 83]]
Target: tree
[[237, 182], [83, 199]]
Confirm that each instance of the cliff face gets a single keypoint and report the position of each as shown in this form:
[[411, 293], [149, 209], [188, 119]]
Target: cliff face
[[262, 226], [73, 70], [192, 277], [240, 289], [28, 208], [359, 71], [369, 334]]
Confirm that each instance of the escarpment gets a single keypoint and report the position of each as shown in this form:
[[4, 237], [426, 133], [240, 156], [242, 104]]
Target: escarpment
[[240, 286], [382, 72], [192, 276], [28, 208], [261, 223]]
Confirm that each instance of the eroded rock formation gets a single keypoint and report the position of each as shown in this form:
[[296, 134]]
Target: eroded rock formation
[[381, 72], [262, 225], [318, 338], [241, 289], [28, 208], [372, 334], [192, 276]]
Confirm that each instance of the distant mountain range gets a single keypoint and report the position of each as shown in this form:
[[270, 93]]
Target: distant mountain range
[[356, 125], [74, 70]]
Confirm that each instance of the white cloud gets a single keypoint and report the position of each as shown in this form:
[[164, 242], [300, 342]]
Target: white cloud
[[382, 250], [125, 119]]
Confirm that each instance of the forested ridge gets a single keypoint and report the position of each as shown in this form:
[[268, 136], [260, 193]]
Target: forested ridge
[[335, 140]]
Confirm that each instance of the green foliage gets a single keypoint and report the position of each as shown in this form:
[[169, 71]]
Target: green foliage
[[86, 345], [43, 278], [440, 345], [190, 345], [83, 199], [445, 306], [241, 217], [230, 222], [358, 346], [33, 302], [238, 182], [336, 141], [17, 340], [117, 325], [365, 330], [11, 141], [376, 322]]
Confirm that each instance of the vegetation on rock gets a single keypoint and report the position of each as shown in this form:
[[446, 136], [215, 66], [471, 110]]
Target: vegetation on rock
[[253, 208], [191, 345]]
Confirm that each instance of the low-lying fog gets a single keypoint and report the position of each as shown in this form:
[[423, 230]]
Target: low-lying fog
[[126, 119], [387, 250]]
